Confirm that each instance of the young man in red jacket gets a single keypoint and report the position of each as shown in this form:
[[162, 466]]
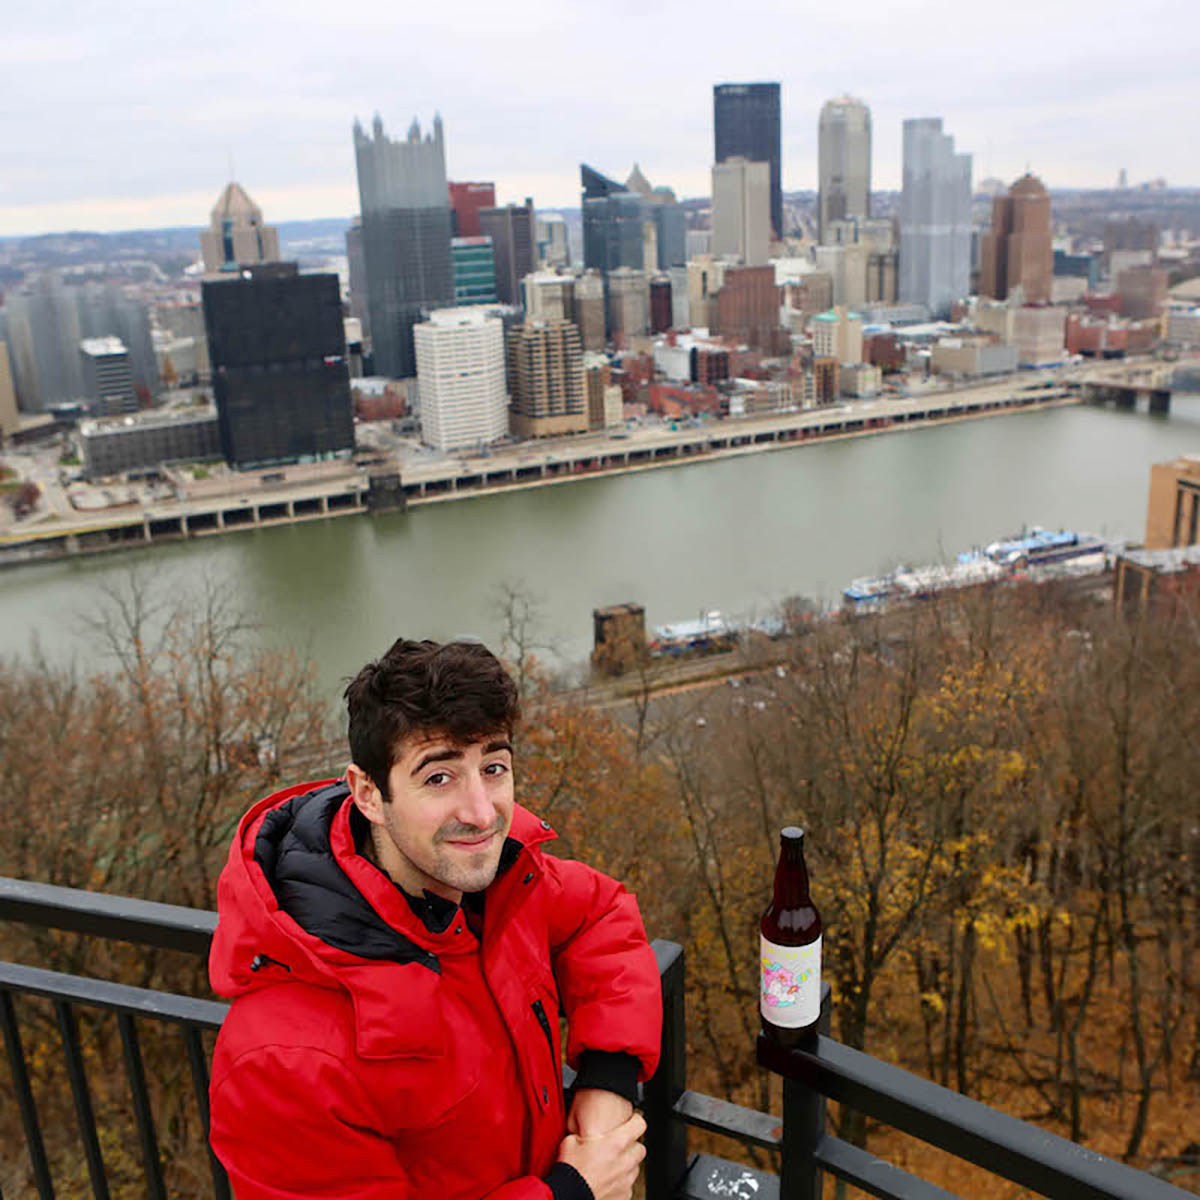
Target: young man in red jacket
[[399, 949]]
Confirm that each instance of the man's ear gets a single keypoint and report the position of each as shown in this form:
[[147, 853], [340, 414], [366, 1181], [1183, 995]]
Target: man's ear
[[365, 794]]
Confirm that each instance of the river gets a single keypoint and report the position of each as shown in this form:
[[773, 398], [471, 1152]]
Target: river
[[735, 534]]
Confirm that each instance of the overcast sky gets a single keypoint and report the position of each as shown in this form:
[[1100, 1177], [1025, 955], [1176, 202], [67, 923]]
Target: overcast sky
[[127, 114]]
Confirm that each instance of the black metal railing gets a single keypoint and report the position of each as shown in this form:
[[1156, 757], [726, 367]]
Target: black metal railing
[[1011, 1149]]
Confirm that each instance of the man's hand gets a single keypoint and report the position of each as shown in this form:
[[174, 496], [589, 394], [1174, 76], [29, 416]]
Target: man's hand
[[608, 1162], [595, 1112]]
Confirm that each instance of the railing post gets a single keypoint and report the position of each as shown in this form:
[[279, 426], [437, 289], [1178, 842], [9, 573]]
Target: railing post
[[803, 1128], [666, 1135]]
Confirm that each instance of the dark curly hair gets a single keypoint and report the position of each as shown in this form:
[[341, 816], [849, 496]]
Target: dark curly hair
[[458, 689]]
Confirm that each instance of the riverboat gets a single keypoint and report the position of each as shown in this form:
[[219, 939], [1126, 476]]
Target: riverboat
[[709, 634], [1040, 553], [1042, 548]]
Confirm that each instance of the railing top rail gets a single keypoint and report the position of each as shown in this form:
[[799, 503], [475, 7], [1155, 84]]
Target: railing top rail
[[116, 997], [1004, 1145], [121, 918]]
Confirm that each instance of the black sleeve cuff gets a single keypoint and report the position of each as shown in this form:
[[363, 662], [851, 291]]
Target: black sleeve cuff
[[566, 1183], [612, 1071]]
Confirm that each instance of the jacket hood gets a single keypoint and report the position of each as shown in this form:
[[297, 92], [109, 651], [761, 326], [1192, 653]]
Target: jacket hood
[[296, 902]]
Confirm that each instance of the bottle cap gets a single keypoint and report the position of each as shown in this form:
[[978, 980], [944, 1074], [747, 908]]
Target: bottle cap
[[792, 833]]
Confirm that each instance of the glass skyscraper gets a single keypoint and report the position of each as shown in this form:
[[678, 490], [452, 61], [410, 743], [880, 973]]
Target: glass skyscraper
[[406, 231], [746, 125]]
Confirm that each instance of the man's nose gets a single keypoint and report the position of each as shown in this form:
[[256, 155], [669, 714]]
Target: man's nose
[[476, 807]]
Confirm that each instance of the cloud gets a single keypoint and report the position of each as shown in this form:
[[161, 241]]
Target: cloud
[[137, 103]]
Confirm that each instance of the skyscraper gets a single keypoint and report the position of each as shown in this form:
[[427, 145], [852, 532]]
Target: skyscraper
[[280, 377], [546, 369], [843, 163], [41, 326], [741, 210], [612, 223], [474, 270], [1018, 250], [107, 379], [461, 376], [406, 224], [357, 264], [236, 234], [514, 245], [10, 420], [466, 200], [746, 125], [935, 218]]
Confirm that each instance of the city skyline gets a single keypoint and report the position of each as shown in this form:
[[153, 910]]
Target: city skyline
[[1049, 89]]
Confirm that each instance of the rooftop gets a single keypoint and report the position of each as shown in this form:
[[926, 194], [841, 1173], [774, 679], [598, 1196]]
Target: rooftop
[[153, 418], [102, 347]]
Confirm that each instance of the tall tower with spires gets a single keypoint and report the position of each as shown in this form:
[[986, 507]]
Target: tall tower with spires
[[406, 231]]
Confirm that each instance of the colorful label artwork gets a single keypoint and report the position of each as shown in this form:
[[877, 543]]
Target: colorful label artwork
[[791, 984]]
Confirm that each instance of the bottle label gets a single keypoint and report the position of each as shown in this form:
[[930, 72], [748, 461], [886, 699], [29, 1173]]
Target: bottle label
[[791, 984]]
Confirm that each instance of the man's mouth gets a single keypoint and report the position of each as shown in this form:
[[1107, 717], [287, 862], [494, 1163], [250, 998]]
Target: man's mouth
[[476, 842]]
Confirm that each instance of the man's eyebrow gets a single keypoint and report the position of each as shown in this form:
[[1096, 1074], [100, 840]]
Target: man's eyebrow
[[435, 756], [496, 745]]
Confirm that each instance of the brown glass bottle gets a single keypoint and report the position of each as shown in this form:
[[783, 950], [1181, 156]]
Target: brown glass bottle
[[790, 961]]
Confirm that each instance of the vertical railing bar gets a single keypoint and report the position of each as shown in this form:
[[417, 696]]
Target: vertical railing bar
[[83, 1099], [800, 1178], [25, 1100], [199, 1065], [666, 1134], [142, 1111]]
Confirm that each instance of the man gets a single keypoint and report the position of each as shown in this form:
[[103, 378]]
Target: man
[[398, 945]]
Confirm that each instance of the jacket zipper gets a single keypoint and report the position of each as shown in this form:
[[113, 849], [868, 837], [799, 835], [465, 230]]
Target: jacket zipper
[[265, 960], [539, 1011]]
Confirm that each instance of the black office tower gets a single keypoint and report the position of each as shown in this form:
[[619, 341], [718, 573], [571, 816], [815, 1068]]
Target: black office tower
[[746, 125], [279, 371]]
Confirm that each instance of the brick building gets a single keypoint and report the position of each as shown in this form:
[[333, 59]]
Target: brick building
[[747, 309]]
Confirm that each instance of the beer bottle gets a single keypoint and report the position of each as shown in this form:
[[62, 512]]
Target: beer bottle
[[791, 949]]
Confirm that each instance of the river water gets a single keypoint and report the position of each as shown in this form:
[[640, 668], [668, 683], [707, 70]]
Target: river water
[[735, 534]]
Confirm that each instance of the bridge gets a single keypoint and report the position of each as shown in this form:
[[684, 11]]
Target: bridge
[[1124, 385]]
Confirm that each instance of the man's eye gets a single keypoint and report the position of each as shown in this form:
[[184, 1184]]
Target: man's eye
[[496, 768], [437, 778]]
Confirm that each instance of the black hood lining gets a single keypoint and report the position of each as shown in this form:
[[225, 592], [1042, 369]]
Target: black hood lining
[[293, 850]]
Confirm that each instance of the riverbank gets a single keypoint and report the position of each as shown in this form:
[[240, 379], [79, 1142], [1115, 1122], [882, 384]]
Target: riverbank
[[740, 447], [515, 468]]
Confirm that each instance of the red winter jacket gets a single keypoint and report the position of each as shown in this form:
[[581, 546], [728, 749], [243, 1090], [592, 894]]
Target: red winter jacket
[[368, 1056]]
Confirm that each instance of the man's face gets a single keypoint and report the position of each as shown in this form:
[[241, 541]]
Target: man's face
[[450, 810]]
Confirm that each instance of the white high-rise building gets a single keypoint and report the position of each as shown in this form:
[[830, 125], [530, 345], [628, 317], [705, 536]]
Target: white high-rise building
[[935, 218], [461, 378], [843, 163], [741, 210]]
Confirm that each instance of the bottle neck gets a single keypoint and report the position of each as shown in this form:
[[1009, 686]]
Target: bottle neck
[[791, 875]]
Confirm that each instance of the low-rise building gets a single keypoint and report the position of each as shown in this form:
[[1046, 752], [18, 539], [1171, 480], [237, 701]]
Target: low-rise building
[[972, 357], [1183, 325], [861, 380], [1173, 510], [1040, 336], [140, 442]]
